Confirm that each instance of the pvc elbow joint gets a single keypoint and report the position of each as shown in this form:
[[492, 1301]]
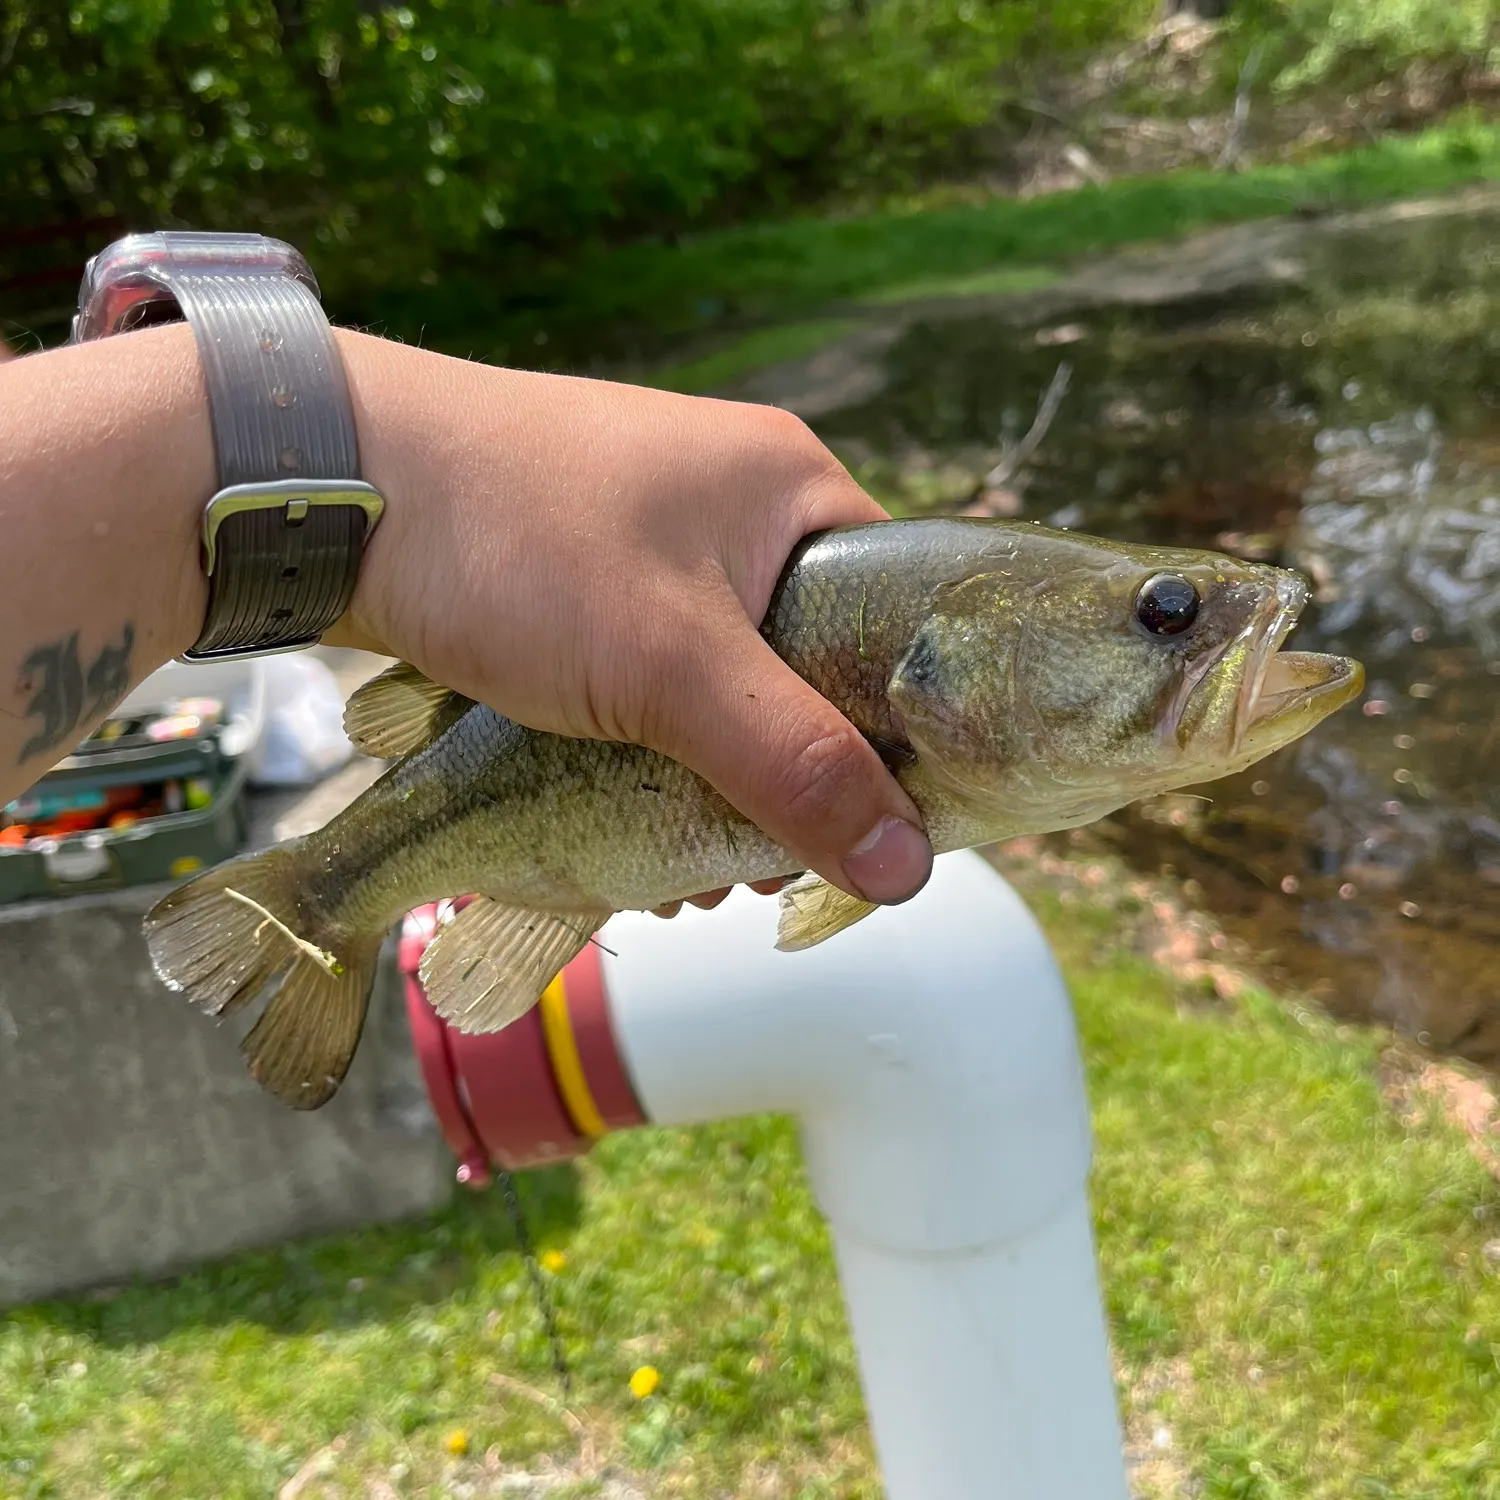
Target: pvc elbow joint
[[932, 1045], [930, 1059]]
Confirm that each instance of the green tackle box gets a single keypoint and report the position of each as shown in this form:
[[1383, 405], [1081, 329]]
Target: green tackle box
[[167, 846], [170, 846]]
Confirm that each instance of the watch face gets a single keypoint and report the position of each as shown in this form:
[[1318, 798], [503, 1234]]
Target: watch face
[[129, 284]]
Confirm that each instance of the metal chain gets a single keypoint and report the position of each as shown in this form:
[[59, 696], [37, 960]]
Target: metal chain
[[522, 1232]]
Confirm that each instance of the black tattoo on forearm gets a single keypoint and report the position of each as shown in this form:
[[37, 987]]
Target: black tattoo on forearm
[[64, 695]]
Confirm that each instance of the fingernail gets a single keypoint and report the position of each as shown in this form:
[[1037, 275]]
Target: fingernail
[[891, 863]]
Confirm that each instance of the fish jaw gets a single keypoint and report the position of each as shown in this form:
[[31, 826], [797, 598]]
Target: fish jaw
[[1287, 693], [1273, 622], [1293, 691], [1255, 697]]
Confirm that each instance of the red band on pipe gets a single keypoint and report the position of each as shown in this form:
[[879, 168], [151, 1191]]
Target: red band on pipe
[[598, 1051], [429, 1038], [495, 1094], [506, 1078]]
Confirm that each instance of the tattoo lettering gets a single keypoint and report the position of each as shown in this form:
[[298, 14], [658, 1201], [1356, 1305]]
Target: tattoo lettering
[[108, 678], [65, 695]]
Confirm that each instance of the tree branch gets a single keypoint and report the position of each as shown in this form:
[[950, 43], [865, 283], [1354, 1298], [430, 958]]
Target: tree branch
[[1007, 468], [1235, 144]]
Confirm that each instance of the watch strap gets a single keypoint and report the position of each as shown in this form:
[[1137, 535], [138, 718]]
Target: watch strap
[[280, 409], [284, 535], [276, 388], [280, 583]]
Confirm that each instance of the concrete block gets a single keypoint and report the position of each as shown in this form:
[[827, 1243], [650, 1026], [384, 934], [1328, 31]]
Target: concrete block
[[133, 1141]]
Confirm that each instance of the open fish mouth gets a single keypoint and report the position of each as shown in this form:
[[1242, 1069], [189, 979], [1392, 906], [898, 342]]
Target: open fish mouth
[[1287, 692], [1300, 684]]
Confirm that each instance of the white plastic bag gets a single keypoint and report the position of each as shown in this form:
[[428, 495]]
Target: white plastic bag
[[303, 739]]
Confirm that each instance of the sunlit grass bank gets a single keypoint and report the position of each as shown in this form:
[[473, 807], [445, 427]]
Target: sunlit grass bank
[[1302, 1293]]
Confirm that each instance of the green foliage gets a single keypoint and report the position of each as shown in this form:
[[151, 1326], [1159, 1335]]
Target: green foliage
[[466, 131], [1352, 42], [1238, 1470], [766, 346]]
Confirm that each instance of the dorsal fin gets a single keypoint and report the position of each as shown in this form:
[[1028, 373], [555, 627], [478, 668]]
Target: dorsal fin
[[400, 711]]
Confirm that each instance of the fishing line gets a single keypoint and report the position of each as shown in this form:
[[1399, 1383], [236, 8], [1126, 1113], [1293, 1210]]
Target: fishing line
[[548, 1309]]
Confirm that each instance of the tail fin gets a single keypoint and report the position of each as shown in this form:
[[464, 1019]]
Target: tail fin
[[232, 934]]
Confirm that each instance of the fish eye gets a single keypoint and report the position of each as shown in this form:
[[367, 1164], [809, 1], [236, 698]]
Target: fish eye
[[1166, 604]]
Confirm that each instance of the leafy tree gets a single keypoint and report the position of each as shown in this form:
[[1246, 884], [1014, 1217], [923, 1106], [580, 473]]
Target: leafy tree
[[1354, 42], [488, 137]]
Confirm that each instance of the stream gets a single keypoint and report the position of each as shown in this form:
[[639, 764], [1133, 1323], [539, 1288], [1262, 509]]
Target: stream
[[1325, 395]]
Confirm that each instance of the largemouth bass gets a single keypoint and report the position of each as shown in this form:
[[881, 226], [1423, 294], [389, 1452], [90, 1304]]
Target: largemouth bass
[[1015, 680]]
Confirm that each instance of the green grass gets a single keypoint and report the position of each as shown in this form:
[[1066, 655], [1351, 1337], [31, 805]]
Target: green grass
[[753, 351], [1297, 1288], [994, 281], [744, 354], [629, 303]]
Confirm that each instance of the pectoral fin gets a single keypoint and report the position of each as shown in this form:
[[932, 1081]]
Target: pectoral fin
[[489, 966], [812, 910], [400, 711]]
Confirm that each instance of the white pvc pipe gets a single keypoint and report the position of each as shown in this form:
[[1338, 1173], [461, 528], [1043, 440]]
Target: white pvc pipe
[[930, 1057]]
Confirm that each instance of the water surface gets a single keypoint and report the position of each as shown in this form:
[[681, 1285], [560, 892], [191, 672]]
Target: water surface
[[1338, 411]]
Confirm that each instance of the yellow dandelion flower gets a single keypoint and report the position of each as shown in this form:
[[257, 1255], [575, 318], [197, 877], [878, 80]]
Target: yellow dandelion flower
[[553, 1260], [644, 1381], [457, 1442]]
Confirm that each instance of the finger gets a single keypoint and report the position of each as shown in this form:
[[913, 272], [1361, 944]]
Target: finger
[[667, 909], [769, 887], [728, 707], [710, 899]]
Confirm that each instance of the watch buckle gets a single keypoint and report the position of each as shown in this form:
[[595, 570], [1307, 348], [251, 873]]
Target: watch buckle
[[293, 496]]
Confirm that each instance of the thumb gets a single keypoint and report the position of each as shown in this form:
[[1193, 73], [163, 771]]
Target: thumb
[[782, 754]]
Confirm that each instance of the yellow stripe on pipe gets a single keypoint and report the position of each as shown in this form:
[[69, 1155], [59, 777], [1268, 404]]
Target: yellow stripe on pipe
[[567, 1068]]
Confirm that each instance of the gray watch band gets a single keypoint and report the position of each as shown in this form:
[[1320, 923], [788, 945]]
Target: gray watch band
[[285, 534]]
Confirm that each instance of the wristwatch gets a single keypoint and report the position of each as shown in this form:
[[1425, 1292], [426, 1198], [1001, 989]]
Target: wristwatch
[[284, 535]]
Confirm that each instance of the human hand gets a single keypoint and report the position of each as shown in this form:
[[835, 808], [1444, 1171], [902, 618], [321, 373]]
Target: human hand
[[592, 559], [707, 900]]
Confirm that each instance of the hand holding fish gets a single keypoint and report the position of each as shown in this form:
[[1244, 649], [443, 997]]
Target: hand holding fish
[[593, 559], [590, 558]]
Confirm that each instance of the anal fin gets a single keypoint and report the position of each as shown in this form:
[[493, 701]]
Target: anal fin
[[489, 966], [812, 910]]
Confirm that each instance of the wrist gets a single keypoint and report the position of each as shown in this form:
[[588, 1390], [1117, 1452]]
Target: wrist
[[404, 430], [284, 533]]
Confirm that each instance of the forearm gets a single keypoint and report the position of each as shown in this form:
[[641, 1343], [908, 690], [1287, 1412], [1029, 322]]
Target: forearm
[[106, 462], [106, 459], [588, 558]]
